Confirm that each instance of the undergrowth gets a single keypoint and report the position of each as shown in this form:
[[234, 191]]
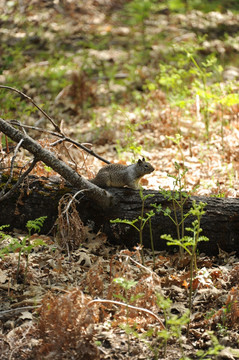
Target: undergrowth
[[65, 327]]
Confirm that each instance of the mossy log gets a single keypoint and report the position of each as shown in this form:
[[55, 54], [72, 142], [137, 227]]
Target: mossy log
[[40, 197]]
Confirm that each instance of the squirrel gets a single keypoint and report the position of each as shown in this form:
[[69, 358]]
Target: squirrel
[[118, 175]]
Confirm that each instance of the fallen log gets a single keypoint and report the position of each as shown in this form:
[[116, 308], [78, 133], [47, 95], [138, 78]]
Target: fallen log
[[40, 197], [35, 197]]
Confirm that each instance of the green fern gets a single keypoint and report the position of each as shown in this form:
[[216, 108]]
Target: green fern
[[35, 224]]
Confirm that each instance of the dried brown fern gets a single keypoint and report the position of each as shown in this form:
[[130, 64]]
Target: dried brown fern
[[65, 327], [233, 304], [95, 280], [228, 315], [71, 229]]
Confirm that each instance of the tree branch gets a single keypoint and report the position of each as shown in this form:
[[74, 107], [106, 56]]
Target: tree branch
[[128, 306], [59, 133], [62, 138], [33, 102], [98, 195]]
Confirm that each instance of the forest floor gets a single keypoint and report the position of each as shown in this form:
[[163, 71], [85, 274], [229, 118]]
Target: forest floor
[[128, 88]]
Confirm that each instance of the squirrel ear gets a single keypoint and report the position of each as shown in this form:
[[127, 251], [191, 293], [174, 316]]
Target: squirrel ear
[[143, 159], [139, 161]]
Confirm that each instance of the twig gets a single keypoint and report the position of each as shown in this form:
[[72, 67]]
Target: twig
[[60, 134], [21, 178], [129, 306], [12, 312], [33, 102], [137, 263], [152, 273], [86, 149], [62, 138], [72, 199], [18, 123]]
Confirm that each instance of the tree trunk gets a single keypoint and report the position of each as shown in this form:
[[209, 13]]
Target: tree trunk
[[40, 197]]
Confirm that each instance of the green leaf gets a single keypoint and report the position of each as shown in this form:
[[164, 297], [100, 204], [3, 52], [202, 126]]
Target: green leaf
[[35, 224]]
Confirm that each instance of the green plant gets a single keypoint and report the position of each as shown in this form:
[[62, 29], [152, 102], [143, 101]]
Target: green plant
[[131, 144], [5, 250], [141, 221], [12, 56], [177, 139], [173, 329], [200, 86], [227, 98], [213, 350], [164, 304], [24, 246], [55, 73], [174, 78], [126, 285], [190, 243], [175, 325], [176, 75], [226, 311], [185, 78], [178, 197], [137, 12], [219, 195]]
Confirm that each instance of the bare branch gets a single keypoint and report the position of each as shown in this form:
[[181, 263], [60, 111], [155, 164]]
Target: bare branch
[[57, 128], [12, 312], [33, 102], [62, 138], [129, 306], [98, 195], [58, 133]]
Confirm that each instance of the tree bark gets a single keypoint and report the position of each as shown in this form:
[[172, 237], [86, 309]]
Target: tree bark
[[40, 197]]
